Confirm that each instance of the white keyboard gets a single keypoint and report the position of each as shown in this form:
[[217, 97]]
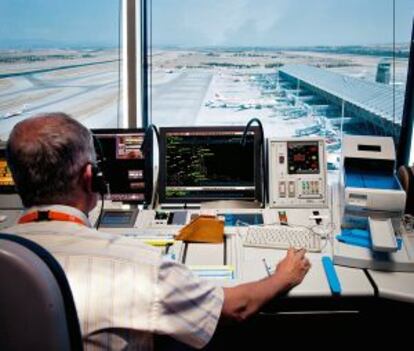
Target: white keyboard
[[282, 237]]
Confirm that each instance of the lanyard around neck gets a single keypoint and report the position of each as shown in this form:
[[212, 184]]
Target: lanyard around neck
[[39, 216]]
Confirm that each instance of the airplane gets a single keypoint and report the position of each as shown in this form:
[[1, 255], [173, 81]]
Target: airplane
[[314, 129], [12, 114], [335, 146], [239, 103], [290, 112], [337, 121]]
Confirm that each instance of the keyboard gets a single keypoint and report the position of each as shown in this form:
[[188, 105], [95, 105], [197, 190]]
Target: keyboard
[[282, 237]]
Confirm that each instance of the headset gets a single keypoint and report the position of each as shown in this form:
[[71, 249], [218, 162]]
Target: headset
[[406, 175], [99, 184]]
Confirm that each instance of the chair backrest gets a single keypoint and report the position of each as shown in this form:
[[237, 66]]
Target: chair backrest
[[37, 311]]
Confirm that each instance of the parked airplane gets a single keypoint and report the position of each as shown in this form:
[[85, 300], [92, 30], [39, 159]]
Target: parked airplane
[[311, 130], [15, 113], [240, 103]]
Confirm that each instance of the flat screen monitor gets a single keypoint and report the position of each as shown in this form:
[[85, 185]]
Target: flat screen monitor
[[126, 169], [199, 164], [6, 179]]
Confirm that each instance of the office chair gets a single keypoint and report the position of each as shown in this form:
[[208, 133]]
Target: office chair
[[406, 175], [37, 311]]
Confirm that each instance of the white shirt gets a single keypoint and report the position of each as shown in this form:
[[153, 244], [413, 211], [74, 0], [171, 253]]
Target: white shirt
[[124, 291]]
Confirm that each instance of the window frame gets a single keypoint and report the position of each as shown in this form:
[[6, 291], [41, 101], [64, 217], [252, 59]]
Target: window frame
[[407, 123]]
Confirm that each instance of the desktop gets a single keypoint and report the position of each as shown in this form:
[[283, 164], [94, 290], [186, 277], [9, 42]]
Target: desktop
[[127, 170], [208, 164]]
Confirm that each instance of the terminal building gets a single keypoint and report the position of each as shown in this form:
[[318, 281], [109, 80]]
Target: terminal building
[[371, 107]]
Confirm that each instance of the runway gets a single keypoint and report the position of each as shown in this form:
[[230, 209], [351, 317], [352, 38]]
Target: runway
[[178, 101], [88, 93]]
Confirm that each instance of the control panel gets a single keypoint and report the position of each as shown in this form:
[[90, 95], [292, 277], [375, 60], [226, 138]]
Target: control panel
[[297, 172]]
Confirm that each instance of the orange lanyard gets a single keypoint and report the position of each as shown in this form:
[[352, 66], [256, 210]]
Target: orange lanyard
[[39, 216]]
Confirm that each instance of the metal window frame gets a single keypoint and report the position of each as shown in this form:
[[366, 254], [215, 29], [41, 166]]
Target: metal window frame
[[407, 123]]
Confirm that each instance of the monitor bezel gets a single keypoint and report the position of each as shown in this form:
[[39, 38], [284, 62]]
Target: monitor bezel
[[148, 160], [258, 176]]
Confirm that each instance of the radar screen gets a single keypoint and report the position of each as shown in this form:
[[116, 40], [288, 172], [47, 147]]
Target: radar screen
[[208, 164], [303, 157]]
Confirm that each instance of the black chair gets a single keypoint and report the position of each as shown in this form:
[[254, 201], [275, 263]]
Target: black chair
[[37, 311]]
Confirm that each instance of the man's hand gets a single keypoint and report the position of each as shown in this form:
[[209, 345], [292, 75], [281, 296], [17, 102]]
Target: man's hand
[[243, 300], [292, 269]]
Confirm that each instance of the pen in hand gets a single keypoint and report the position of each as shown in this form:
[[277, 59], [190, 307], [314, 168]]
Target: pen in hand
[[267, 268]]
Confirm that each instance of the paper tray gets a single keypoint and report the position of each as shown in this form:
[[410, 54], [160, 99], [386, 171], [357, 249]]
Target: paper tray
[[371, 180]]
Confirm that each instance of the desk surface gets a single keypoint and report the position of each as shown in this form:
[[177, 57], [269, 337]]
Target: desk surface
[[248, 262], [354, 282], [394, 285]]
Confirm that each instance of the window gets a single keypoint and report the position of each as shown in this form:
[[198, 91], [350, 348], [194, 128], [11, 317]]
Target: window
[[302, 67], [58, 55]]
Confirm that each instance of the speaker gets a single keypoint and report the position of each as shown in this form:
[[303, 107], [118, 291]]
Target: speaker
[[406, 175]]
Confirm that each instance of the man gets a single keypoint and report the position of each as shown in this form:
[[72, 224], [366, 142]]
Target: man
[[124, 291]]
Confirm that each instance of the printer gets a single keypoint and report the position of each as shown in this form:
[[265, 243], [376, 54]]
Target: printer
[[372, 205]]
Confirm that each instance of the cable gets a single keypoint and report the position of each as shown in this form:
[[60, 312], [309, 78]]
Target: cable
[[154, 128], [99, 219], [100, 160], [144, 147], [263, 157], [326, 234]]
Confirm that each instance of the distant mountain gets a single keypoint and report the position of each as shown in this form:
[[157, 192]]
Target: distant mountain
[[27, 44]]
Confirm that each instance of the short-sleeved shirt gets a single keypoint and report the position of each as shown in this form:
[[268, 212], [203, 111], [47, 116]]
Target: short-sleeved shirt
[[124, 291]]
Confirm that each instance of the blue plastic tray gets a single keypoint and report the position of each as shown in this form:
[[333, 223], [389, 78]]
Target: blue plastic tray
[[372, 180]]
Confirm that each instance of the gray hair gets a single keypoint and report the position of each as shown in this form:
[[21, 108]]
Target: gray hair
[[46, 154]]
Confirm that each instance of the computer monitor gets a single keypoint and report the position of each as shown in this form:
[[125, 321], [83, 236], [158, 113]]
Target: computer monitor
[[6, 179], [126, 169], [199, 164]]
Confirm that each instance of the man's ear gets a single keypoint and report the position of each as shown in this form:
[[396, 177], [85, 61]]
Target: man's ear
[[87, 177]]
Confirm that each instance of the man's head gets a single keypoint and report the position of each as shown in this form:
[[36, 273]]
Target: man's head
[[51, 157]]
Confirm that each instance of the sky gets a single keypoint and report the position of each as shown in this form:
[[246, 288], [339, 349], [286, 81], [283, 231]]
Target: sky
[[59, 22], [279, 22], [208, 22]]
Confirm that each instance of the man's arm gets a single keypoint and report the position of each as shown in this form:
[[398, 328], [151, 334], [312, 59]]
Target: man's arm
[[243, 300]]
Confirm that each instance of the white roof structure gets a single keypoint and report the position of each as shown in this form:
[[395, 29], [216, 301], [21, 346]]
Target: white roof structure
[[376, 98]]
